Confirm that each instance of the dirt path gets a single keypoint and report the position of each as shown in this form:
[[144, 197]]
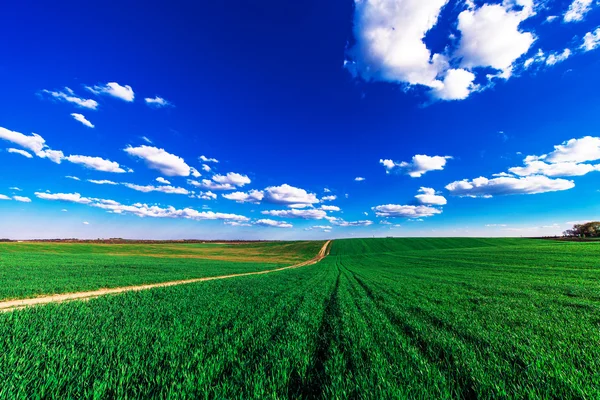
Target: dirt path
[[59, 298]]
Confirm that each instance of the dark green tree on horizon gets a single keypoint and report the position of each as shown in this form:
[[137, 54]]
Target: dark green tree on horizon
[[587, 230]]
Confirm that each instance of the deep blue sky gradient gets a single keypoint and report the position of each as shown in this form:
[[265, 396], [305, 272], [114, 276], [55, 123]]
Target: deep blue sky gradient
[[260, 85]]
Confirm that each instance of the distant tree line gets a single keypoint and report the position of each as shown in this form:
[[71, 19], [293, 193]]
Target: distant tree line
[[587, 230]]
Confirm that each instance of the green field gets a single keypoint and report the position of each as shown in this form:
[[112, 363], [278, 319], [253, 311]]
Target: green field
[[33, 269], [378, 318]]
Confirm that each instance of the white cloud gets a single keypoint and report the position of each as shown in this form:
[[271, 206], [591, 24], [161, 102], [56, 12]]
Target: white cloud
[[419, 165], [113, 89], [591, 40], [22, 199], [310, 213], [207, 195], [575, 150], [577, 10], [327, 190], [538, 58], [359, 179], [162, 180], [457, 85], [102, 182], [286, 194], [329, 198], [555, 58], [208, 160], [396, 210], [234, 223], [388, 164], [3, 197], [157, 102], [158, 159], [82, 119], [390, 44], [16, 189], [253, 196], [299, 205], [340, 222], [145, 139], [55, 156], [272, 223], [549, 60], [567, 159], [551, 18], [389, 41], [86, 223], [35, 142], [142, 210], [73, 177], [96, 163], [231, 178], [324, 227], [162, 189], [195, 172], [69, 96], [557, 169], [422, 164], [490, 35], [427, 196], [330, 208], [483, 187], [69, 197], [208, 184], [206, 168], [19, 151]]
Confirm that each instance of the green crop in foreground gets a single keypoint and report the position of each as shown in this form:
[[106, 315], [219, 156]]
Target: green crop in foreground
[[32, 269], [389, 319]]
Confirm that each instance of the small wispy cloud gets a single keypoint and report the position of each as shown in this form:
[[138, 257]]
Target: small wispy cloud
[[22, 199], [19, 151], [113, 89], [82, 119], [208, 160], [158, 102], [69, 96], [96, 163], [102, 182]]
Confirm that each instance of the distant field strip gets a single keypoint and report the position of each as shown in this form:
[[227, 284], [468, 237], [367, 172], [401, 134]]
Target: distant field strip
[[264, 252], [37, 269], [59, 298]]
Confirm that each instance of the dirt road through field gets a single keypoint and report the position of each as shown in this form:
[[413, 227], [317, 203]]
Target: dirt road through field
[[59, 298]]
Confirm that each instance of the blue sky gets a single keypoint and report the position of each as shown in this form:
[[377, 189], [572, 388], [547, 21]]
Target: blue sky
[[291, 120]]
